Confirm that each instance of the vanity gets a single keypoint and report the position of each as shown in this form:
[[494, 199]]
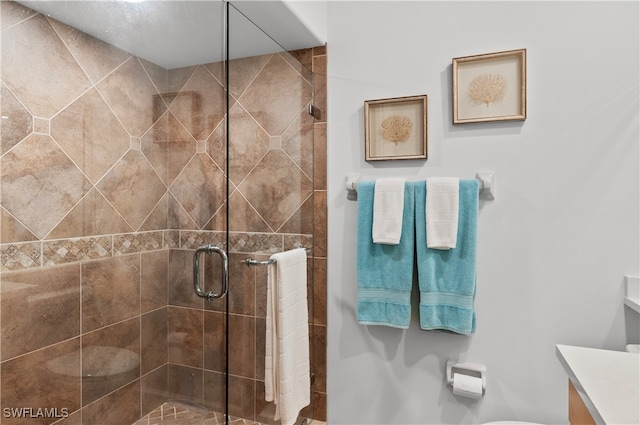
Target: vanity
[[603, 385]]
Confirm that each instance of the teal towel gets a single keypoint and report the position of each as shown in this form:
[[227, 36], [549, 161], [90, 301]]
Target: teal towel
[[384, 272], [447, 279]]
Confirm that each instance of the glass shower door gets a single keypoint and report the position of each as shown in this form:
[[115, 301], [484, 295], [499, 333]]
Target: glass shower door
[[270, 163]]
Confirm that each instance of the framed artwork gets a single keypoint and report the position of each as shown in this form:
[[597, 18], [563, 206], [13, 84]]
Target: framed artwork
[[395, 128], [490, 87]]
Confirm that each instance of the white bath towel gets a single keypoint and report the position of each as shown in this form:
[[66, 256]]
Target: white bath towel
[[388, 205], [442, 212], [287, 370]]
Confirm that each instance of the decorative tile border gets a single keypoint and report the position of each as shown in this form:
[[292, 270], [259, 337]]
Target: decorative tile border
[[129, 243], [65, 251], [27, 255], [20, 256]]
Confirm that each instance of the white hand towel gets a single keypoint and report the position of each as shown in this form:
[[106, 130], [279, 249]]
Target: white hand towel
[[442, 212], [388, 204], [287, 370]]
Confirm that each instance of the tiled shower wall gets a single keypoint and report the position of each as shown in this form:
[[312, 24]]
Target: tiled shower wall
[[112, 173]]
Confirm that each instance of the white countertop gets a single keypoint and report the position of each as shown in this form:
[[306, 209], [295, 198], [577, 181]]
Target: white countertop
[[608, 382]]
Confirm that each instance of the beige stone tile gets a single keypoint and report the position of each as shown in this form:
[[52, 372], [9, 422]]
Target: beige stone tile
[[277, 96], [178, 218], [39, 308], [154, 340], [276, 188], [320, 223], [96, 57], [12, 230], [153, 391], [200, 105], [40, 184], [242, 346], [214, 341], [159, 75], [181, 292], [320, 85], [195, 189], [185, 339], [128, 91], [110, 359], [102, 411], [242, 397], [158, 217], [185, 383], [45, 378], [297, 142], [13, 13], [153, 280], [93, 215], [319, 291], [320, 156], [319, 356], [18, 123], [301, 221], [241, 72], [90, 134], [243, 217], [178, 77], [248, 144], [132, 187], [181, 147], [32, 57], [110, 291]]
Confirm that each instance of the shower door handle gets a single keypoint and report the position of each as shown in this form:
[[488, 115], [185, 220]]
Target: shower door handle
[[210, 249]]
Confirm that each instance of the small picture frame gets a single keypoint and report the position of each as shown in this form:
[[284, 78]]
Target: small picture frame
[[395, 128], [490, 87]]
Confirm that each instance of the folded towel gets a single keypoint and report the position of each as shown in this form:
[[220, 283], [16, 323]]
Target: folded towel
[[442, 212], [447, 279], [384, 272], [388, 204], [287, 371]]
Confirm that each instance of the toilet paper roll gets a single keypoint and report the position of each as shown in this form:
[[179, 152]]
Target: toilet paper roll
[[467, 386]]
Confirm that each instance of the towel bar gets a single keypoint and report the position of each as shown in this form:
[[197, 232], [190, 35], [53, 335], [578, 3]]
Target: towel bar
[[487, 181], [251, 262]]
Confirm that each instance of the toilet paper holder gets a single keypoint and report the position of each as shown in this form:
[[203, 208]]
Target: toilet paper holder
[[471, 369]]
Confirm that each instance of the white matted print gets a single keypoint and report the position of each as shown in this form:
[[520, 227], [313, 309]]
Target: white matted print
[[490, 87], [396, 128]]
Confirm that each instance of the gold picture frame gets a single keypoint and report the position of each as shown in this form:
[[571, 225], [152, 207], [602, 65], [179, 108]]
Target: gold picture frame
[[395, 128], [490, 87]]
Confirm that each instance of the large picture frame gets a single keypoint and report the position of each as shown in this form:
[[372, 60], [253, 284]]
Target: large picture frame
[[490, 87], [395, 128]]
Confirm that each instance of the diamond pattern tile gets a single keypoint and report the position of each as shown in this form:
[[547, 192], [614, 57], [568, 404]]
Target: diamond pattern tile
[[200, 105], [132, 187], [276, 188], [200, 189], [90, 134], [40, 184], [16, 123], [276, 96], [28, 67], [130, 93]]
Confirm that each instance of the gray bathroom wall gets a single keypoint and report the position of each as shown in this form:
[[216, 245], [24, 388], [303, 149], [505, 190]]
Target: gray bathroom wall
[[553, 247]]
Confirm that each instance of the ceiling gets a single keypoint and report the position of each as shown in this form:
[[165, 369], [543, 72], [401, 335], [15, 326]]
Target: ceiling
[[177, 33]]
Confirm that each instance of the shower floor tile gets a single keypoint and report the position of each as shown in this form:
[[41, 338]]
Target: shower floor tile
[[178, 414]]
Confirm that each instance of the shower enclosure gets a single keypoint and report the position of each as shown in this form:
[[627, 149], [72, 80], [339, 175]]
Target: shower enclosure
[[132, 135]]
